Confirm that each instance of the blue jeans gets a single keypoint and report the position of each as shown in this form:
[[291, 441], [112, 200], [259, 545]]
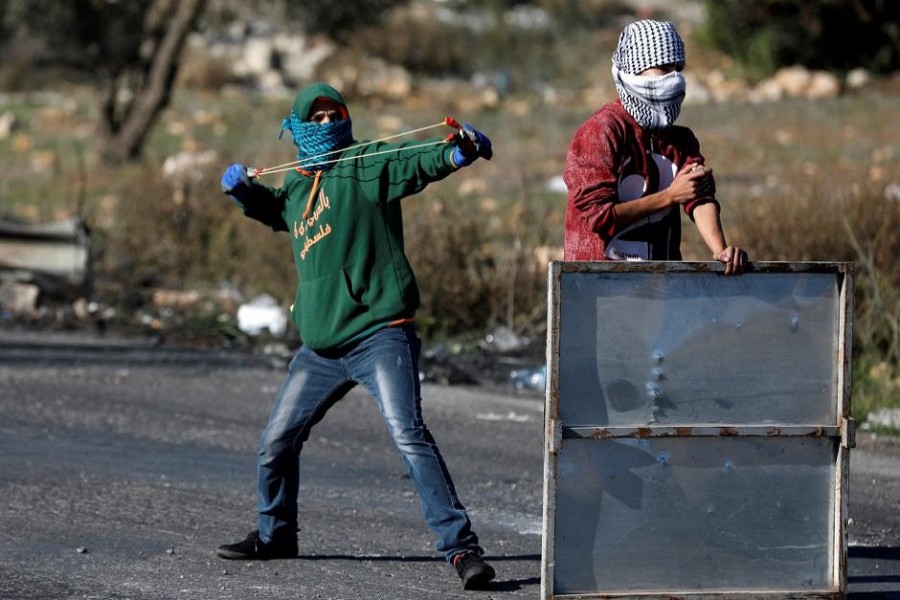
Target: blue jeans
[[387, 364]]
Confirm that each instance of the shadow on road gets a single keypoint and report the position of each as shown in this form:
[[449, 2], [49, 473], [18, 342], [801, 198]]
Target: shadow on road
[[422, 559], [883, 552], [495, 586]]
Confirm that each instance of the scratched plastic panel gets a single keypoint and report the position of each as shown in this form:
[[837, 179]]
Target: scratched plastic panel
[[689, 348], [698, 514]]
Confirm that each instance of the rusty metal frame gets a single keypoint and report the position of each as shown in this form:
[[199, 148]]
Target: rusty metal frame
[[843, 431]]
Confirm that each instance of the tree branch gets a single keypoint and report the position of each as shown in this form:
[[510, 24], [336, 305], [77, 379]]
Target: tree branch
[[153, 95]]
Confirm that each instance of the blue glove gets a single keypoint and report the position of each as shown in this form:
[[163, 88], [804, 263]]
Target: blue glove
[[235, 181], [471, 144]]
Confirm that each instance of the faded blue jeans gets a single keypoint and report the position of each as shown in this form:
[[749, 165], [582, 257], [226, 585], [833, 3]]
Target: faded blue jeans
[[386, 364]]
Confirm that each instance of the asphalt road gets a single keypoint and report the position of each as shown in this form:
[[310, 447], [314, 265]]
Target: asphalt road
[[123, 466]]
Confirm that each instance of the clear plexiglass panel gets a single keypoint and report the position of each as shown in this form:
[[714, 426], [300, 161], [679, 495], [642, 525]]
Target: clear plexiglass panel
[[698, 514], [683, 348]]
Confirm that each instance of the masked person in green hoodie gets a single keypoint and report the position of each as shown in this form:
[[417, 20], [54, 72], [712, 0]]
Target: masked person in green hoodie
[[355, 308]]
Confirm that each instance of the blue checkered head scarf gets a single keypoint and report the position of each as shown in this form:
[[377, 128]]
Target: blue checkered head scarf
[[313, 140], [654, 102]]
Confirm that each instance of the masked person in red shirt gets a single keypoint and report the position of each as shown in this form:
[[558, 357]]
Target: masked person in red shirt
[[629, 169]]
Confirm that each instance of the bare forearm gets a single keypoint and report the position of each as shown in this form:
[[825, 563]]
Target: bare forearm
[[706, 217], [635, 210]]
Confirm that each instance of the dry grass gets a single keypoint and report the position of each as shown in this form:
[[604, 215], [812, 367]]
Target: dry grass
[[808, 181], [798, 181]]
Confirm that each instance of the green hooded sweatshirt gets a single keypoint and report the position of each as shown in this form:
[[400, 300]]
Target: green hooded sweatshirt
[[353, 275]]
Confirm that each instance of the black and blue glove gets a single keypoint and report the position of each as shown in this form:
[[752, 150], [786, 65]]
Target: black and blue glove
[[236, 182], [471, 144]]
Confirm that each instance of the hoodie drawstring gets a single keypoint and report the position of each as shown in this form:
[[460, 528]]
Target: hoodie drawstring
[[312, 195]]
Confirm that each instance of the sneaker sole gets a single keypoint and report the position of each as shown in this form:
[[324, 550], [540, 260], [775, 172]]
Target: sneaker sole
[[227, 554], [232, 555], [477, 581]]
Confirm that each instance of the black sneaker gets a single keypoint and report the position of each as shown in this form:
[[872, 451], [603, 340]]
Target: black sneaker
[[252, 548], [474, 572]]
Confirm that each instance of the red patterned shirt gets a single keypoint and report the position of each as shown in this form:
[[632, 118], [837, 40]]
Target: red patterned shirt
[[611, 159]]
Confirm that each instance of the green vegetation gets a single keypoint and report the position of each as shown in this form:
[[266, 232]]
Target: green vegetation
[[840, 35]]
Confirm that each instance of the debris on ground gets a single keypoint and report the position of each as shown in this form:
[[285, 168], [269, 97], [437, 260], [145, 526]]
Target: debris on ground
[[43, 259], [262, 314]]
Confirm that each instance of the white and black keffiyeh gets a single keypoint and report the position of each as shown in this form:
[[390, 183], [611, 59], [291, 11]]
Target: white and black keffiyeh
[[654, 102]]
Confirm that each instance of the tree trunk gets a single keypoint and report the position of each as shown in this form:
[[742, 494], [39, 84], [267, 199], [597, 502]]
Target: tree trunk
[[123, 130]]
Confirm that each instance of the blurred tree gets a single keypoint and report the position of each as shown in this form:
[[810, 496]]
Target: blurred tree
[[131, 48], [764, 35]]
